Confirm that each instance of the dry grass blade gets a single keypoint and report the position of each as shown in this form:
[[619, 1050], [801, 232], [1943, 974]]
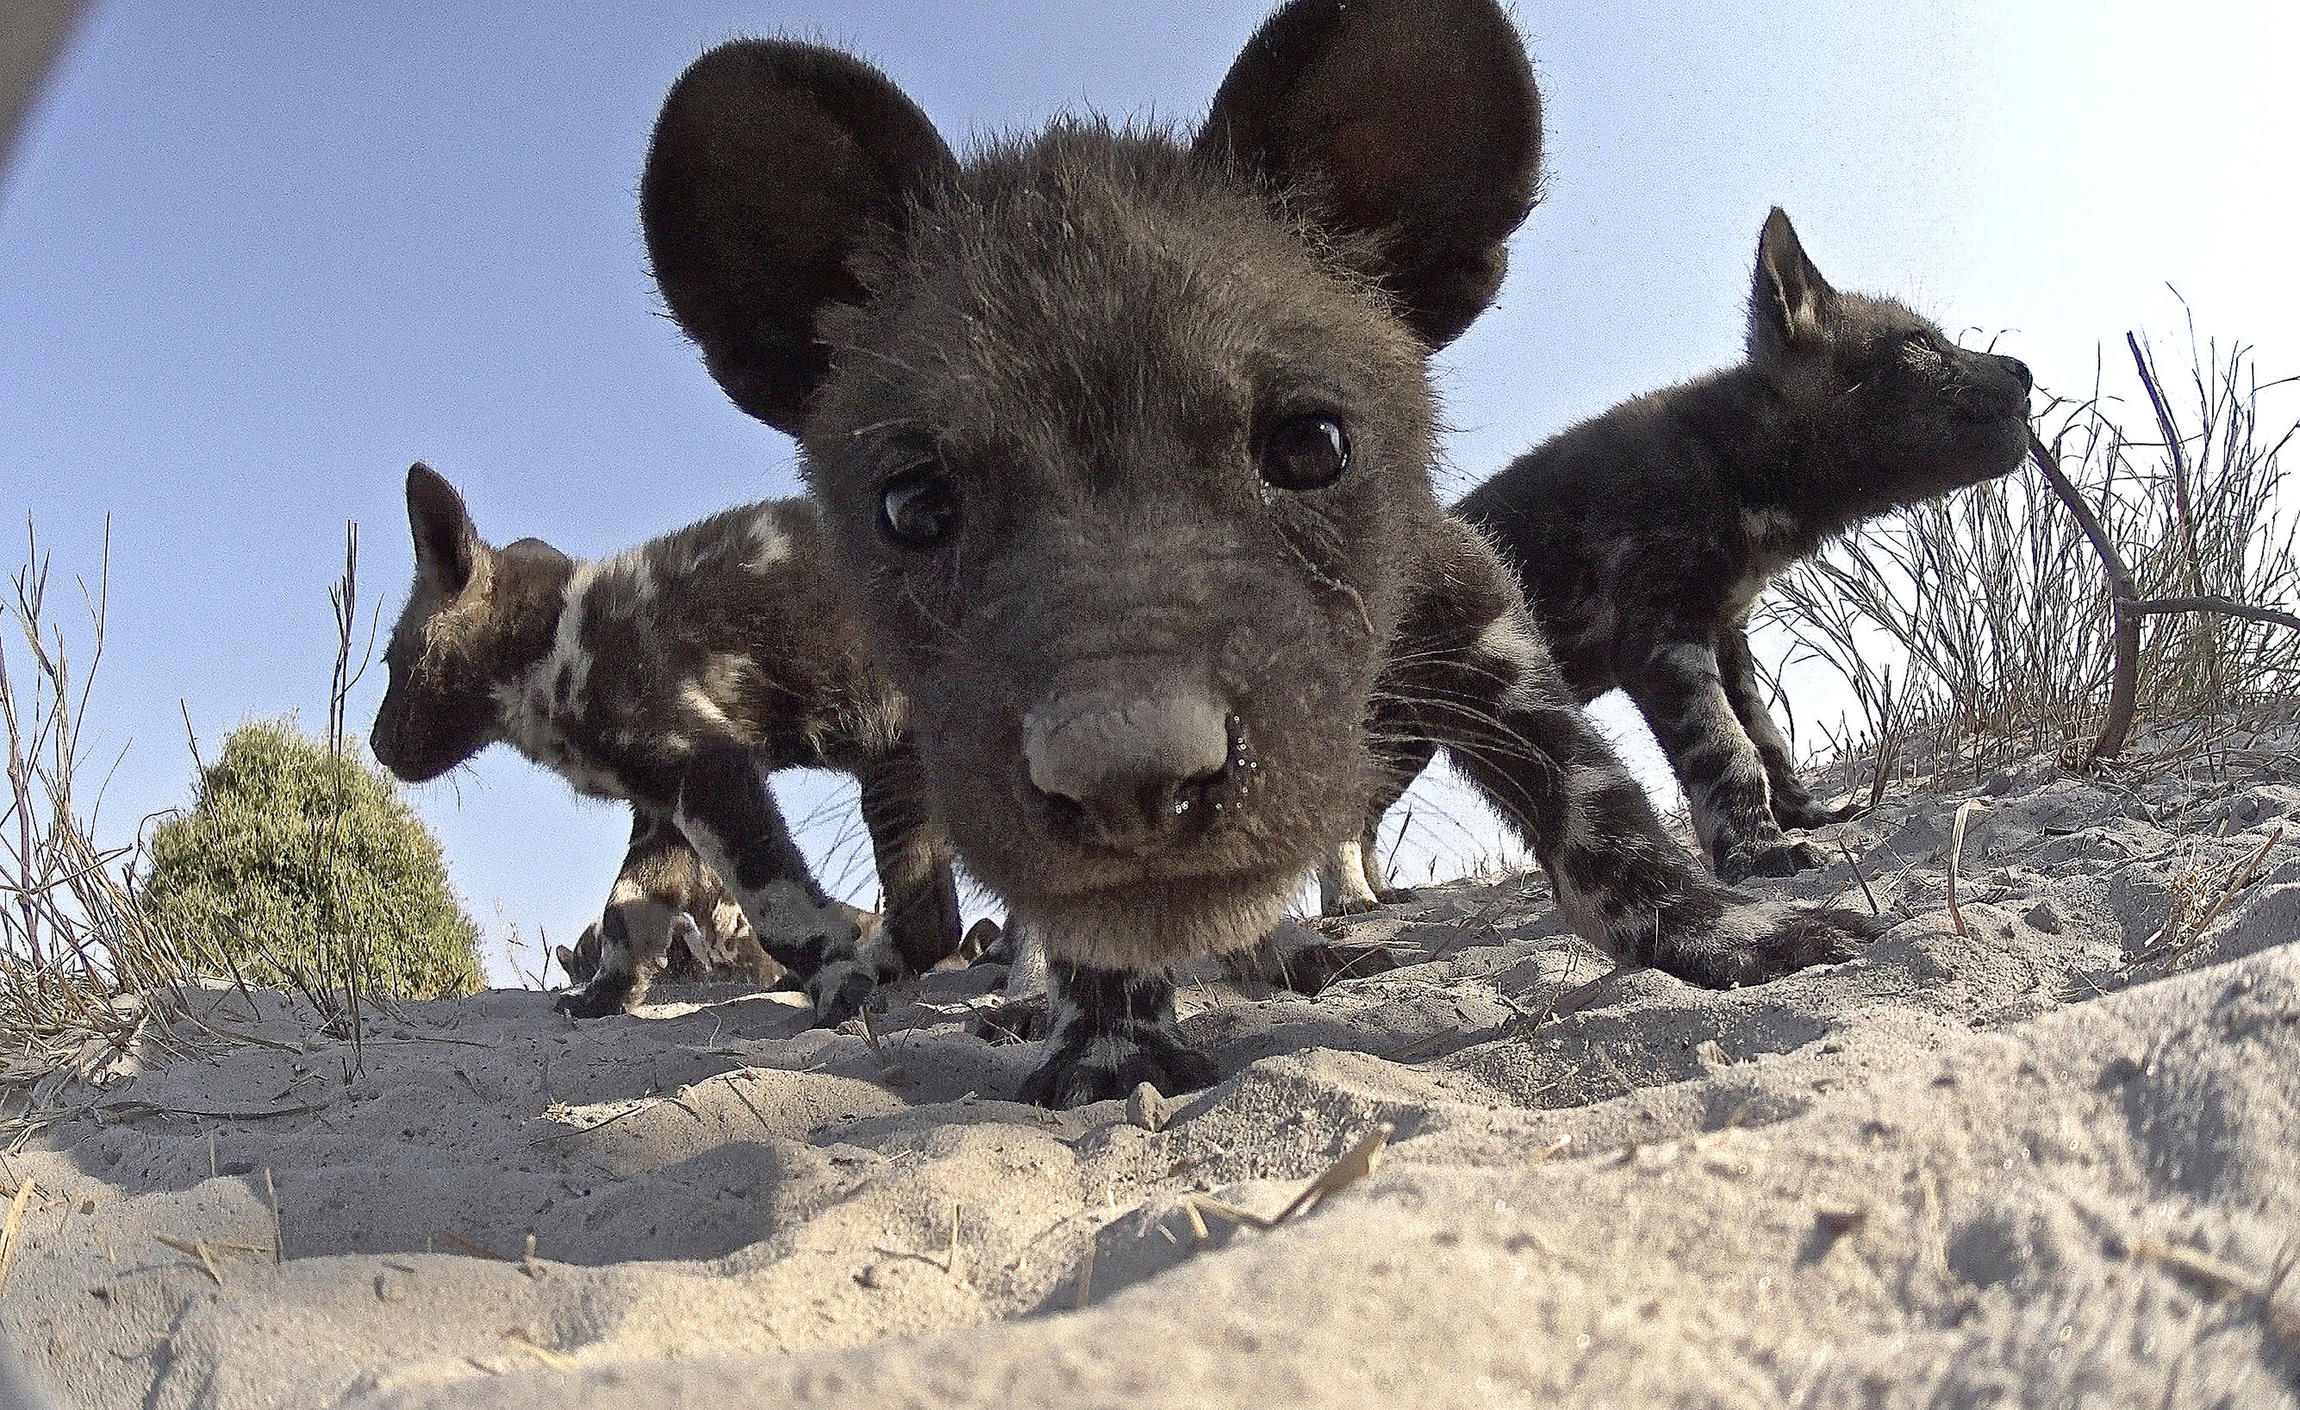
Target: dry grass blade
[[467, 1248], [9, 1227], [2225, 1279], [1358, 1162], [1084, 1289], [79, 959], [2184, 929], [1858, 875], [195, 1249], [1965, 810], [1355, 1164], [888, 1068], [279, 1233], [556, 1360]]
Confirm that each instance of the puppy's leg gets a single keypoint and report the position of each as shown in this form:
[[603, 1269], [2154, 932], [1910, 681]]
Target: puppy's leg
[[726, 811], [1108, 1032], [1498, 705], [1350, 880], [1343, 889], [633, 938], [1024, 1005], [1793, 805], [1679, 687], [920, 913]]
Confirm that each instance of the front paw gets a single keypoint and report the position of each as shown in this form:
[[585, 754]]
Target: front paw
[[838, 991], [1755, 942], [1767, 856], [1802, 813], [1113, 1064], [1022, 1020]]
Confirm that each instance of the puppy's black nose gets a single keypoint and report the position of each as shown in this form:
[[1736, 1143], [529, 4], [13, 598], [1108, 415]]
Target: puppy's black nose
[[2019, 370], [1131, 771]]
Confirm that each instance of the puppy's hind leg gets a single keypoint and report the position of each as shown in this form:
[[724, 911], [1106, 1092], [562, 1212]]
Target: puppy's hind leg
[[618, 956], [921, 915], [726, 811], [1793, 805]]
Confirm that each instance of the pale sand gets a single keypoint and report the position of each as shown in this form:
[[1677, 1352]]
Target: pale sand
[[1963, 1170]]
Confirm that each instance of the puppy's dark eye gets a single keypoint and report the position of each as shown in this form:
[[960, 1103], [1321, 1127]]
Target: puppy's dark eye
[[1305, 453], [918, 508]]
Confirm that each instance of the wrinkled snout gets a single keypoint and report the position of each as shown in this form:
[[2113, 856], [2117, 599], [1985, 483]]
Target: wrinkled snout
[[1133, 765]]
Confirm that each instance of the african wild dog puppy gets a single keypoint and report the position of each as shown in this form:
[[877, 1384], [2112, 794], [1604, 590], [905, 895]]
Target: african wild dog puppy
[[676, 676], [1125, 441], [1642, 537]]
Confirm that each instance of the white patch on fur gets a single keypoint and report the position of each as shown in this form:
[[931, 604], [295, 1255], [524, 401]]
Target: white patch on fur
[[769, 544], [1511, 652], [1109, 1052], [1342, 879], [782, 911], [1026, 973], [1742, 592], [530, 708], [1505, 638], [703, 708]]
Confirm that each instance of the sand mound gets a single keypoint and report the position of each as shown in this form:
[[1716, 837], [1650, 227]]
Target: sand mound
[[1998, 1166]]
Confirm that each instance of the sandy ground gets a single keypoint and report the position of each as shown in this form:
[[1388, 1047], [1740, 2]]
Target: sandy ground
[[1999, 1167]]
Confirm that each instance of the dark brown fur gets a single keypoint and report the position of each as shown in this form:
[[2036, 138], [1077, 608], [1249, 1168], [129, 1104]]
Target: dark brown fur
[[1070, 407]]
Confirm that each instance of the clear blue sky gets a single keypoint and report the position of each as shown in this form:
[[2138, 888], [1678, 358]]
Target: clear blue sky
[[255, 258]]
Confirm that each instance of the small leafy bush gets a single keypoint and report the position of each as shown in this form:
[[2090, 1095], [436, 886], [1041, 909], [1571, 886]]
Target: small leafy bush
[[307, 870]]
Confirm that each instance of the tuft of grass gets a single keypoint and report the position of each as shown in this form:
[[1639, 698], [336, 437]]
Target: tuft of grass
[[1976, 631], [84, 970], [297, 863]]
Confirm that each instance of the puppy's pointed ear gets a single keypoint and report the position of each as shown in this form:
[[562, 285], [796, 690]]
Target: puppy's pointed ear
[[770, 163], [447, 548], [1790, 303], [1415, 122]]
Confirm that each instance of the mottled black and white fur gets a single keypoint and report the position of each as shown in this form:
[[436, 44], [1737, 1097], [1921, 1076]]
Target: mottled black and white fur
[[1643, 536], [676, 676], [710, 936], [1125, 439]]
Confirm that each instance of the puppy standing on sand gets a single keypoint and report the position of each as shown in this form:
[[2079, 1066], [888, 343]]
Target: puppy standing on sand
[[1643, 536], [675, 677], [1125, 442]]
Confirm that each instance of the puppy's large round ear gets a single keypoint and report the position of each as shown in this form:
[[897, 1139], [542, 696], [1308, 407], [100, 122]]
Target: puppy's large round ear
[[447, 547], [770, 163], [1415, 122]]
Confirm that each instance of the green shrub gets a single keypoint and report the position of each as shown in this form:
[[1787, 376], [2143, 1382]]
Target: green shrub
[[290, 861]]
